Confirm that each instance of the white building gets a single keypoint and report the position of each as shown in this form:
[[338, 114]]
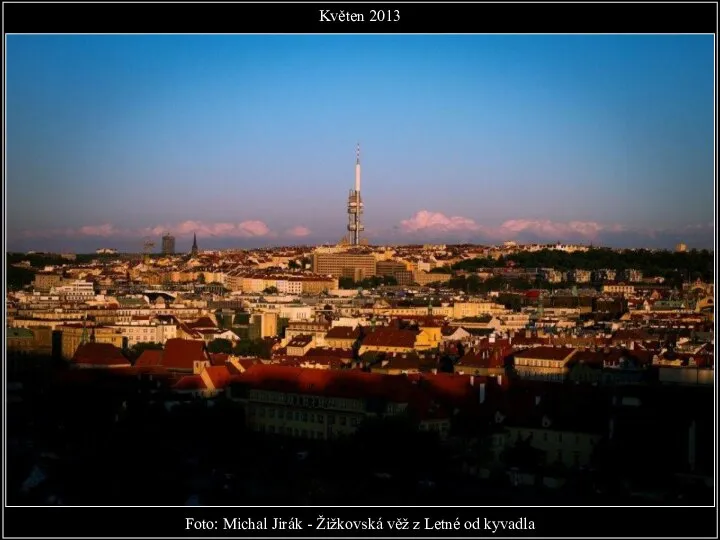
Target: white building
[[147, 330], [75, 291]]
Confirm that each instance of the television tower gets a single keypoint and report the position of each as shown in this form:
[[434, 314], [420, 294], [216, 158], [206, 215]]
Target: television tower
[[355, 205]]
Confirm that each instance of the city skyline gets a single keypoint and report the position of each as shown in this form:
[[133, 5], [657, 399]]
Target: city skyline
[[249, 141]]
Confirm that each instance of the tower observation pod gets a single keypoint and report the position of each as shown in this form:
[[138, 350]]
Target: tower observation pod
[[355, 205]]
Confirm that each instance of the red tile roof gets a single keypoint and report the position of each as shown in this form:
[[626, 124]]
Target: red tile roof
[[333, 352], [202, 322], [485, 358], [390, 337], [100, 355], [546, 353], [190, 331], [190, 383], [343, 332], [219, 375], [181, 353], [335, 383], [247, 362], [149, 358]]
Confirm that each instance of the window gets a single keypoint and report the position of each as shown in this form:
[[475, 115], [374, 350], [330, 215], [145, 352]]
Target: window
[[304, 417], [271, 413], [281, 414], [320, 418], [261, 411], [312, 417], [343, 420], [354, 421], [331, 418]]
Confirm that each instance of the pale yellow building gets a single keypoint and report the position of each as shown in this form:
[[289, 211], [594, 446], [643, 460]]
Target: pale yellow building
[[72, 337], [544, 363], [424, 278], [428, 338]]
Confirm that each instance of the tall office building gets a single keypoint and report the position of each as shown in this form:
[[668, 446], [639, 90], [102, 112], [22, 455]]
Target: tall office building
[[168, 244], [352, 265]]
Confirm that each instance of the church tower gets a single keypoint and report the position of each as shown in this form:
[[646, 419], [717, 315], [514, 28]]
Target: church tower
[[194, 250]]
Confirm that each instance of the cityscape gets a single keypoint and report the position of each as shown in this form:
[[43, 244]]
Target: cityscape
[[323, 348]]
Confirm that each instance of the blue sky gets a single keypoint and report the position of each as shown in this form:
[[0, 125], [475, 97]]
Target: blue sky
[[250, 140]]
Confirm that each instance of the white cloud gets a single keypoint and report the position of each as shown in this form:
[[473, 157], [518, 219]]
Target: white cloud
[[243, 229], [556, 229], [298, 231], [437, 222]]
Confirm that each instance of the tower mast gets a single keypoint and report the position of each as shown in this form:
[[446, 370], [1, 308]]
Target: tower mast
[[355, 205]]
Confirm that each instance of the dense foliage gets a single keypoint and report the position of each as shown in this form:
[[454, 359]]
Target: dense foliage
[[252, 347], [17, 278], [367, 283], [473, 285], [692, 264]]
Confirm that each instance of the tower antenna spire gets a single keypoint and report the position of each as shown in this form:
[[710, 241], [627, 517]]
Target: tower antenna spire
[[355, 205]]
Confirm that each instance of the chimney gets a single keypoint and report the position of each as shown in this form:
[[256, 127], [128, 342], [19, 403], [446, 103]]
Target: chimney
[[499, 380], [482, 393], [472, 380]]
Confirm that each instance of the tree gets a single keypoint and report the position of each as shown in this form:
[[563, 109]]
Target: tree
[[346, 283], [201, 278], [18, 277], [271, 290], [253, 347], [220, 345]]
